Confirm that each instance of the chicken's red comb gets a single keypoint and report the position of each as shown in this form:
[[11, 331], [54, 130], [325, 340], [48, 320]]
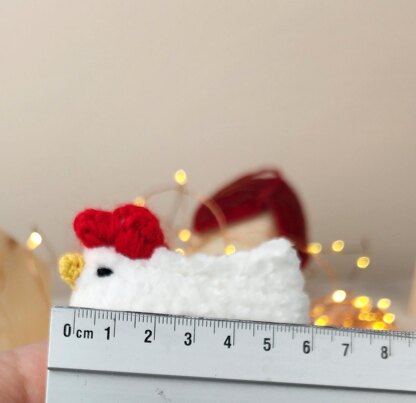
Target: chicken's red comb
[[133, 231]]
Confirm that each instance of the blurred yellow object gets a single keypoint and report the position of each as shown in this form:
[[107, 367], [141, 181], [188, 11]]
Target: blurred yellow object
[[379, 325], [229, 249], [184, 235], [24, 294], [314, 248], [140, 201], [389, 318], [321, 321], [339, 295], [383, 303], [361, 301], [363, 262], [181, 177], [338, 245], [34, 240], [180, 251], [70, 267]]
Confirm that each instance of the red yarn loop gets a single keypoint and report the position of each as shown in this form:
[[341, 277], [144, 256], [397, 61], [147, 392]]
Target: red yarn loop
[[252, 194], [132, 230]]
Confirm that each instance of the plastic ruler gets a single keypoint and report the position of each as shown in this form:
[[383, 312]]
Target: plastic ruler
[[114, 356]]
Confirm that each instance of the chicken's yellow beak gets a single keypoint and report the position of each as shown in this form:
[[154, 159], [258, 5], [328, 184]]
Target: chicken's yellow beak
[[70, 267]]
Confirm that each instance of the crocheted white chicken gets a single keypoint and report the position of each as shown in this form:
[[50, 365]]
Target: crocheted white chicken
[[127, 266]]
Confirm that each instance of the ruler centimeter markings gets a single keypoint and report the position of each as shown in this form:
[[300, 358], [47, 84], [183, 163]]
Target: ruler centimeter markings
[[102, 341]]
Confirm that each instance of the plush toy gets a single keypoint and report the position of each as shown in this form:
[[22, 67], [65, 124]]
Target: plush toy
[[126, 265]]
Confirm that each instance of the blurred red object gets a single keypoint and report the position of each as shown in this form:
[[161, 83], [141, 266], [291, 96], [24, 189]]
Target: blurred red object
[[253, 194]]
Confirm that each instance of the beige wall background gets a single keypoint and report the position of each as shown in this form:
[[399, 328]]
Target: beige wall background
[[101, 101]]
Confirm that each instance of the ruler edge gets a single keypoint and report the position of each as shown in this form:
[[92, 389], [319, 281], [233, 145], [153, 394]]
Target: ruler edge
[[404, 334]]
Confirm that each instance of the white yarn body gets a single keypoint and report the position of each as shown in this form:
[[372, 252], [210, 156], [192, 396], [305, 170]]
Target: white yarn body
[[263, 284]]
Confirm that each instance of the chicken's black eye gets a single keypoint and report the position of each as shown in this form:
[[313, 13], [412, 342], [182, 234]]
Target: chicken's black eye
[[104, 272]]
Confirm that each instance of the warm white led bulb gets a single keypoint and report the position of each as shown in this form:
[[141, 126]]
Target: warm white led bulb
[[34, 240], [181, 177]]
